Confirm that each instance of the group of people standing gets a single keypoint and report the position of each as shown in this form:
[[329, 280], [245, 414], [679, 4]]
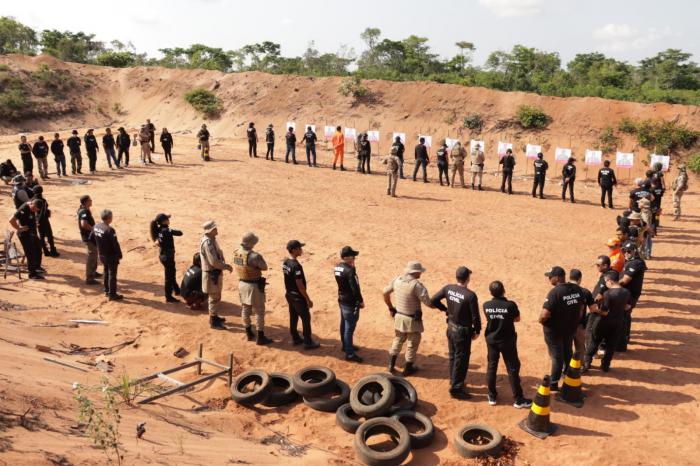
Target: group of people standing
[[116, 149]]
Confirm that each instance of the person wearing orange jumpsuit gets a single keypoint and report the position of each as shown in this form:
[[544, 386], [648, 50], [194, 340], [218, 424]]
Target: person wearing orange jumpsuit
[[338, 148]]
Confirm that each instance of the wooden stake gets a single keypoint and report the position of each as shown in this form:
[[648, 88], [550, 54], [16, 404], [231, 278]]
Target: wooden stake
[[200, 351]]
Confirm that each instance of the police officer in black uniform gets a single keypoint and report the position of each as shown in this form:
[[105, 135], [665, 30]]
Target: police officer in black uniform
[[310, 140], [422, 159], [508, 162], [40, 149], [633, 280], [25, 222], [291, 140], [86, 222], [541, 167], [300, 303], [45, 230], [270, 140], [400, 149], [191, 286], [350, 300], [92, 148], [561, 313], [463, 326], [442, 163], [110, 253], [568, 175], [162, 235], [76, 159], [606, 181], [610, 327], [21, 193], [58, 155], [166, 142], [365, 154], [252, 134], [501, 339], [25, 152], [642, 191], [123, 145]]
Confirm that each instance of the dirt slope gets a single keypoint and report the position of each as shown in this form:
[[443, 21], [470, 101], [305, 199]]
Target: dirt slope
[[413, 107]]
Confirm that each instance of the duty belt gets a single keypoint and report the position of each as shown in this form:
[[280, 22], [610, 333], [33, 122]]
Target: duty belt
[[407, 315], [458, 327], [250, 281]]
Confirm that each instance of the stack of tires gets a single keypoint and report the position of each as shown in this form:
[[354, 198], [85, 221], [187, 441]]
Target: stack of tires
[[317, 385], [384, 404]]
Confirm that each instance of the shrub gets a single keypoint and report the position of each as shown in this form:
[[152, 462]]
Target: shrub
[[665, 136], [101, 418], [607, 141], [531, 117], [627, 126], [352, 85], [54, 80], [204, 101], [12, 103], [473, 121], [694, 163], [118, 109]]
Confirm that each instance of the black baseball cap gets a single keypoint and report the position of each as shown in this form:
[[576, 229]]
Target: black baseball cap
[[162, 217], [462, 273], [347, 251], [555, 271], [294, 244]]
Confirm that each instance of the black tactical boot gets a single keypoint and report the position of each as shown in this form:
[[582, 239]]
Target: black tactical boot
[[216, 323], [392, 363], [249, 334], [262, 339], [410, 369]]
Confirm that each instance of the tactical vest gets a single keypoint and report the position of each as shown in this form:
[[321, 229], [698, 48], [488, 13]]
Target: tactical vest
[[406, 300], [245, 271]]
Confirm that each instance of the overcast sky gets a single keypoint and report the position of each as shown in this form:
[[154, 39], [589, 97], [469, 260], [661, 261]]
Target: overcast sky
[[625, 29]]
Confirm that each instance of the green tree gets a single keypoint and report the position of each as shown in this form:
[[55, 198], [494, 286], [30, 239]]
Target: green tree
[[524, 68], [263, 56], [460, 61], [671, 69], [15, 37], [595, 69], [70, 46], [196, 56]]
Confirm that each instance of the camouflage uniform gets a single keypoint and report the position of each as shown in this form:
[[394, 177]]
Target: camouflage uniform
[[679, 186], [477, 167], [213, 265], [392, 162], [249, 265]]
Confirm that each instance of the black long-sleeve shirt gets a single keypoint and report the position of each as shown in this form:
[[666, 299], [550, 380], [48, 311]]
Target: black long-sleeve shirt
[[291, 138], [508, 162], [107, 243], [57, 148], [400, 149], [462, 306], [74, 144], [166, 140], [421, 152], [165, 239], [40, 149], [606, 177], [348, 285], [123, 141], [309, 138], [569, 171], [91, 143], [108, 141]]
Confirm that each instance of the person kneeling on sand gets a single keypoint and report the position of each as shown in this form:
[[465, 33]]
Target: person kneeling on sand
[[191, 286]]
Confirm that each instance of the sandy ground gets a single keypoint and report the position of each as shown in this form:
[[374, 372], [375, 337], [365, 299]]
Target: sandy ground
[[645, 411]]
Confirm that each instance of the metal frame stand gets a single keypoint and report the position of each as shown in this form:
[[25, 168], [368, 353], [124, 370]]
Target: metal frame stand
[[181, 386]]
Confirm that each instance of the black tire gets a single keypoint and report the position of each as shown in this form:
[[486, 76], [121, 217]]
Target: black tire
[[260, 391], [281, 391], [420, 439], [345, 421], [313, 381], [377, 384], [330, 404], [470, 450], [382, 425], [406, 396]]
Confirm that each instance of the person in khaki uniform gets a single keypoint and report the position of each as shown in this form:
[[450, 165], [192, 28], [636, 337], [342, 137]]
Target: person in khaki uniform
[[458, 155], [251, 287], [393, 163], [408, 315], [213, 265], [679, 186], [477, 167]]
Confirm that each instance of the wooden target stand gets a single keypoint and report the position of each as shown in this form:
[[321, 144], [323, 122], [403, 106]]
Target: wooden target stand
[[182, 386]]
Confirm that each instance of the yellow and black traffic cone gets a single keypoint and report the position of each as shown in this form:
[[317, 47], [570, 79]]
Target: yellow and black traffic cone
[[570, 391], [537, 421]]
